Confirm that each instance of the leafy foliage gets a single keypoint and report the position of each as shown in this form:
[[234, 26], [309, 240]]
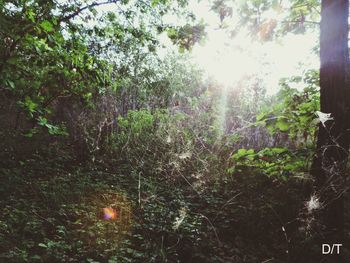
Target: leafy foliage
[[267, 19], [296, 114], [48, 54], [111, 124]]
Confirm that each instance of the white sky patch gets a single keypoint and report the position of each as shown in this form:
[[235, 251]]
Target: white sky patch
[[229, 60]]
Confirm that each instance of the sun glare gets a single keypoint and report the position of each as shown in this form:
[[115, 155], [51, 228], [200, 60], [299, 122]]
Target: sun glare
[[228, 60]]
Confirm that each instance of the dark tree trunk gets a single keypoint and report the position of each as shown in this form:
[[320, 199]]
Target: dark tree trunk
[[334, 135]]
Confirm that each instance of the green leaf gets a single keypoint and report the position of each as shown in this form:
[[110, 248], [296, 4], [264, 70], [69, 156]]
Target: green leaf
[[30, 15], [279, 150], [260, 116], [10, 83], [42, 245], [42, 121], [282, 125], [46, 26], [30, 105]]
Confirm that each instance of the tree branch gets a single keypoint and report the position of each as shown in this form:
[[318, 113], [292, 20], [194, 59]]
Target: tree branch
[[78, 11], [305, 21]]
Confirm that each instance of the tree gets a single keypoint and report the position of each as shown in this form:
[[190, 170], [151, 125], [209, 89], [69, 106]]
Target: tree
[[332, 149], [72, 49], [333, 140]]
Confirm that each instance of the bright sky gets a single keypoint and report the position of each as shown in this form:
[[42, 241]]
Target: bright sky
[[228, 60]]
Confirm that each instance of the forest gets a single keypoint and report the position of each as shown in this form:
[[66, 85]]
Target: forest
[[205, 131]]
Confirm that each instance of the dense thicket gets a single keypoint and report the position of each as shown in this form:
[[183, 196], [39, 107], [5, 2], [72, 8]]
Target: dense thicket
[[97, 116]]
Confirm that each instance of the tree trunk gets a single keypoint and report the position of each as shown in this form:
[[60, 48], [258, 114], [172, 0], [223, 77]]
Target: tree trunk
[[333, 139]]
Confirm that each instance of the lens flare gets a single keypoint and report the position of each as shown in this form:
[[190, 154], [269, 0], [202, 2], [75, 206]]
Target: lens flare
[[110, 213]]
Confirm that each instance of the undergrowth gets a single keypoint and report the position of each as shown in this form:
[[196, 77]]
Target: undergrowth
[[55, 215], [181, 188]]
